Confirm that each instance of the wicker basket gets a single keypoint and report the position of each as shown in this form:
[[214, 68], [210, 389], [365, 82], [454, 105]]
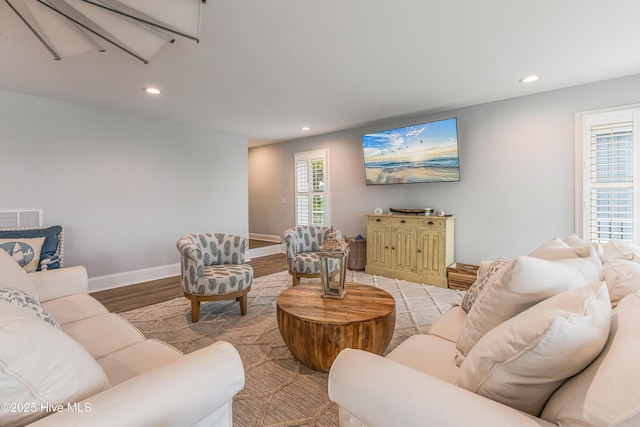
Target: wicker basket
[[357, 254], [461, 276]]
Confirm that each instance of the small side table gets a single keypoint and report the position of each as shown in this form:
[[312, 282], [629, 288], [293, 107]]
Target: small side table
[[461, 276], [316, 329]]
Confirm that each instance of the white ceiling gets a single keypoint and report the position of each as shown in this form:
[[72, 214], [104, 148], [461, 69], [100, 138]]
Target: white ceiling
[[265, 68]]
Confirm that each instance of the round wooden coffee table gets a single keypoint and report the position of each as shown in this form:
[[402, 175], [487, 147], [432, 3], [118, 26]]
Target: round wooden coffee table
[[316, 329]]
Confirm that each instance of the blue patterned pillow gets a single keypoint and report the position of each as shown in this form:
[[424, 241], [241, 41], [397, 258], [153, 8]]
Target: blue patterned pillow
[[28, 302], [49, 252]]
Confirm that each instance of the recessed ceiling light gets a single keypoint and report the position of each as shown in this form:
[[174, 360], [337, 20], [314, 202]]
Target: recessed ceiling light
[[529, 79], [305, 128], [152, 90]]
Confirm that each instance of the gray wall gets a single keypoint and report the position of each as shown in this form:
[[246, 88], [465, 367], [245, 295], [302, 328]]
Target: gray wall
[[517, 173], [125, 188]]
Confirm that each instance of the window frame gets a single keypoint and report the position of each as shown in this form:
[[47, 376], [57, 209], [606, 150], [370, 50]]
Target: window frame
[[309, 156], [583, 121]]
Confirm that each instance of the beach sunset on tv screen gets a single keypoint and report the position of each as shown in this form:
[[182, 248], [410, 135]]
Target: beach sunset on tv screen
[[422, 153]]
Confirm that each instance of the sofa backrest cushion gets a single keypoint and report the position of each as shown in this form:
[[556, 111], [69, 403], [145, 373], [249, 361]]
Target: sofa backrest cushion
[[41, 366], [623, 278], [519, 285], [521, 362], [14, 276], [607, 392]]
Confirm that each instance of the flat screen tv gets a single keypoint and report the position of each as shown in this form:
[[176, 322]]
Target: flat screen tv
[[426, 152]]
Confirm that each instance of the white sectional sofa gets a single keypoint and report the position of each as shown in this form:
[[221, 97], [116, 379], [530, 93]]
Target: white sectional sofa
[[93, 368], [562, 355]]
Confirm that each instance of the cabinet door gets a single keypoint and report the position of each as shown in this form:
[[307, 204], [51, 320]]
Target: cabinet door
[[378, 245], [431, 253], [403, 249]]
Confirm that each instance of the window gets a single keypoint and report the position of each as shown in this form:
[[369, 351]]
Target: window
[[312, 188], [610, 158]]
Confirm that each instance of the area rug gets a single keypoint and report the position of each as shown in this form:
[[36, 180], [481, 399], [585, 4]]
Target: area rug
[[280, 391]]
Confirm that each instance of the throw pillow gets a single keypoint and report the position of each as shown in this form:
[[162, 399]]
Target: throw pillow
[[620, 249], [528, 281], [556, 249], [486, 277], [49, 254], [13, 276], [607, 392], [26, 252], [26, 301], [622, 277], [524, 360], [575, 240], [41, 365]]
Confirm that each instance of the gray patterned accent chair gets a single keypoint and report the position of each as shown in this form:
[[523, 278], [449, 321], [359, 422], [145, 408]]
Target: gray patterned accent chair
[[303, 243], [213, 269]]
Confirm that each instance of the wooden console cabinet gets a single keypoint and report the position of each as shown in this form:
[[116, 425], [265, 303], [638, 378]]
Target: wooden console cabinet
[[413, 248]]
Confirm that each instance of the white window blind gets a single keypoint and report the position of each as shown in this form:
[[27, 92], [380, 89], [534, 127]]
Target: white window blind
[[312, 188], [611, 177]]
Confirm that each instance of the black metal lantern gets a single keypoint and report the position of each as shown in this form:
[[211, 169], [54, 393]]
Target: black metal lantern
[[333, 256]]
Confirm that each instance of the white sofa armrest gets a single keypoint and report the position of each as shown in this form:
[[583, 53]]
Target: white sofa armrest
[[60, 282], [179, 394], [380, 392]]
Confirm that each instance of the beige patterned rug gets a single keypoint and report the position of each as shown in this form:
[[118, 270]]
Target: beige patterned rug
[[279, 391]]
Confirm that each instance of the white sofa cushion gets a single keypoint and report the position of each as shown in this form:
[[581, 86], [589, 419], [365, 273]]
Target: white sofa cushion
[[449, 325], [103, 334], [622, 277], [132, 361], [40, 364], [14, 276], [439, 364], [524, 360], [74, 307], [523, 283], [607, 392]]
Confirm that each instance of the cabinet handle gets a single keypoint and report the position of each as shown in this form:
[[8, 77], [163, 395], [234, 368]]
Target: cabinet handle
[[386, 247], [393, 247], [419, 251], [378, 220], [430, 223], [403, 222]]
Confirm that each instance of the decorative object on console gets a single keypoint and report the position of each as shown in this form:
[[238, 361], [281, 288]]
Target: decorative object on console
[[139, 28], [438, 212], [52, 251], [426, 152], [333, 256], [377, 211], [408, 211]]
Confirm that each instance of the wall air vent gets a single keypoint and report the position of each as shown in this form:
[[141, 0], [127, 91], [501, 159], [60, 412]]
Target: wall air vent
[[18, 218]]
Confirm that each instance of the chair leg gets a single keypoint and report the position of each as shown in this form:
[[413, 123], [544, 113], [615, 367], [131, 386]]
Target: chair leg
[[296, 279], [243, 303], [195, 309]]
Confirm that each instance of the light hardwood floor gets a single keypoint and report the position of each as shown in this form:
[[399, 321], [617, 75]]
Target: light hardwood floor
[[130, 297]]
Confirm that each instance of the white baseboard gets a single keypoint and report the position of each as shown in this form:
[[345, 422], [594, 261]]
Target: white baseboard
[[109, 281], [266, 250], [265, 237]]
